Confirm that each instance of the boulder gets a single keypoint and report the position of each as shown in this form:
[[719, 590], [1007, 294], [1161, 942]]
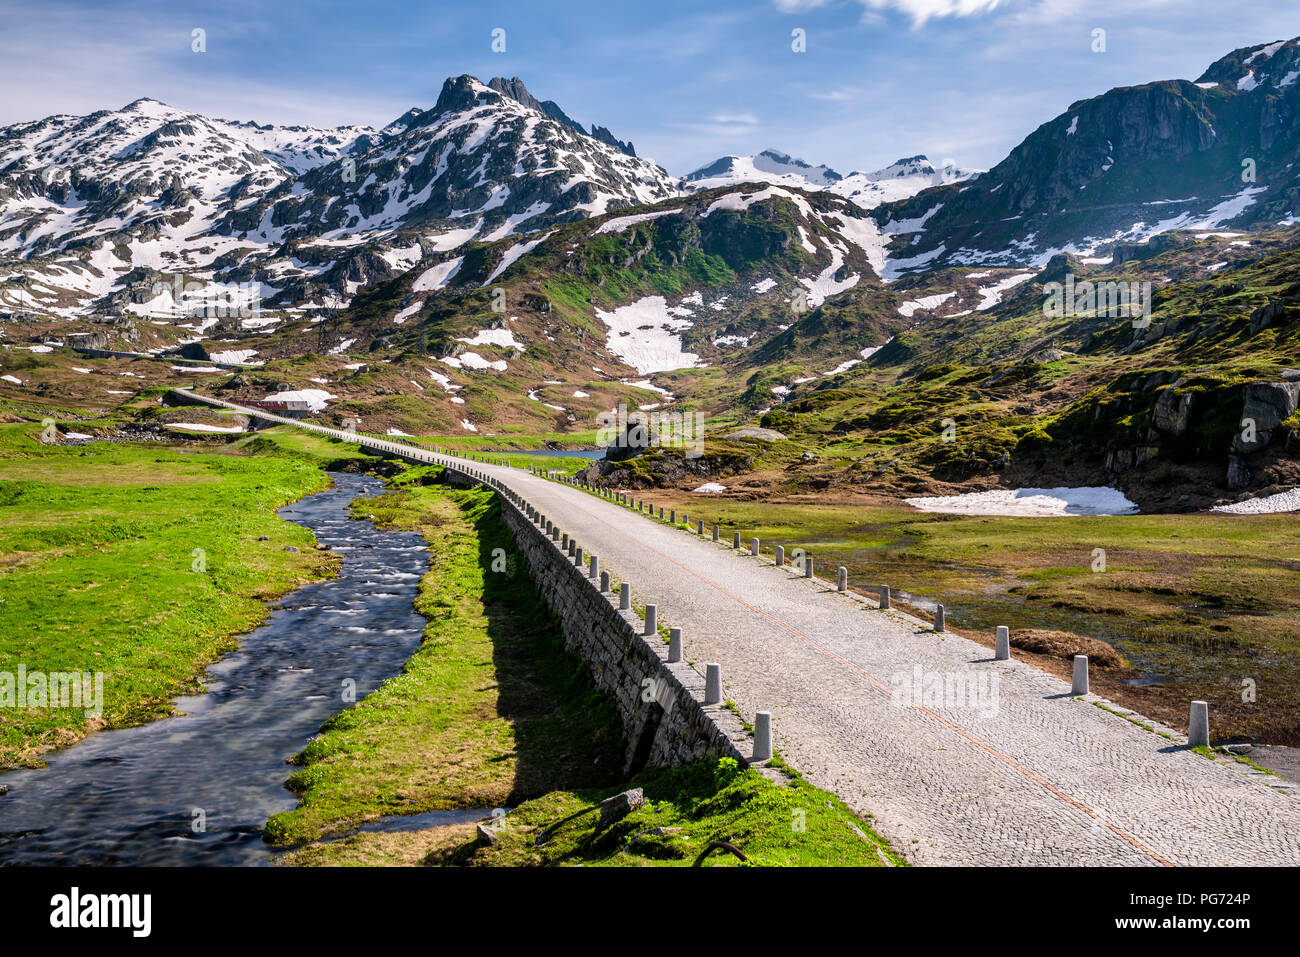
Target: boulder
[[1239, 475], [87, 340], [1268, 403], [1173, 411], [614, 809], [757, 435], [1047, 355], [1119, 460], [1058, 268], [1263, 317], [637, 435]]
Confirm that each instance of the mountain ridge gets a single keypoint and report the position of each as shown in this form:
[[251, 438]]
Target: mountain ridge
[[1214, 153], [902, 178], [95, 209]]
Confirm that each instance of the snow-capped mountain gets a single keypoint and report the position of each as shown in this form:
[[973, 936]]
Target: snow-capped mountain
[[515, 89], [1122, 167], [769, 166], [901, 179], [773, 253], [300, 148], [141, 170], [97, 212], [479, 164]]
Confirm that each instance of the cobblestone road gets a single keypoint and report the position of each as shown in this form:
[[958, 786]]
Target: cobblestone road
[[1026, 774]]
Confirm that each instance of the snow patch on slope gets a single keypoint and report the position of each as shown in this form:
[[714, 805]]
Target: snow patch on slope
[[646, 337], [1042, 502]]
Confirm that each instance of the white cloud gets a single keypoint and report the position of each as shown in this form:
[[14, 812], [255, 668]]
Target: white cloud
[[836, 96], [798, 6], [922, 10]]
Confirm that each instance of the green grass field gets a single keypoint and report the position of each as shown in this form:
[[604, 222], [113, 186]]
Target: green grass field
[[687, 811], [139, 562]]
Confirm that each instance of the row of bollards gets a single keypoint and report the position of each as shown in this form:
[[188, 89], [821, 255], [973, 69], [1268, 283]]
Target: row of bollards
[[1198, 719]]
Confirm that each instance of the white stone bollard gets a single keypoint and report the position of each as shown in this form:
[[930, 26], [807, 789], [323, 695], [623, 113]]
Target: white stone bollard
[[624, 596], [780, 556], [674, 644], [1198, 725], [842, 579], [1080, 683], [712, 683], [1003, 650], [753, 547], [940, 625], [762, 736], [651, 621]]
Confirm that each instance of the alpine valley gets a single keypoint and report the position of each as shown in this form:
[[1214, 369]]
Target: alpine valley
[[491, 269]]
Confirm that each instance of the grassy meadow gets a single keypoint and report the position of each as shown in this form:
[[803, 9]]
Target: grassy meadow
[[142, 562]]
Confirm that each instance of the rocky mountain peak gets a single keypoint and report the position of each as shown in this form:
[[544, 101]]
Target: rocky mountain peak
[[459, 94], [516, 90], [1273, 66]]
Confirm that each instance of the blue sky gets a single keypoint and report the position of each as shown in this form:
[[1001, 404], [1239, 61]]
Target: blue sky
[[685, 81]]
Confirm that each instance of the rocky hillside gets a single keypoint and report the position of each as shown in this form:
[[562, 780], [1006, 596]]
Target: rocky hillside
[[1220, 152], [98, 212]]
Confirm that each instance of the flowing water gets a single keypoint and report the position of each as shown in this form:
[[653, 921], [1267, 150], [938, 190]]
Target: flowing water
[[138, 795]]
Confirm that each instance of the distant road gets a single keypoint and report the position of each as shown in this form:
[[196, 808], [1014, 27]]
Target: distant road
[[1043, 778]]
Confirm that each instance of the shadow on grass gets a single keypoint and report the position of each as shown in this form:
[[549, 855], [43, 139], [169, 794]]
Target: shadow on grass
[[567, 734]]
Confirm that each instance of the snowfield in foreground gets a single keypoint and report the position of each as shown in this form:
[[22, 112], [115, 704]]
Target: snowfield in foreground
[[1036, 502], [1264, 505]]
